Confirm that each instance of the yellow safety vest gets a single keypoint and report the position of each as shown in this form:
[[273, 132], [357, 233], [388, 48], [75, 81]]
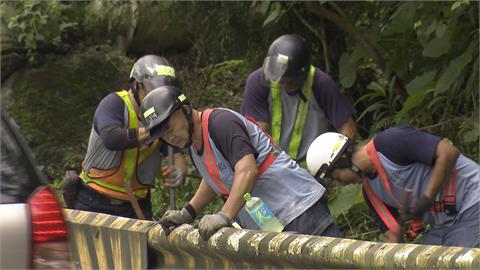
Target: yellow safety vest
[[110, 182], [300, 116]]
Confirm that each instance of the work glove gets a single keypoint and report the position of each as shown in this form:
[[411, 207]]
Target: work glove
[[210, 224], [176, 217], [71, 185], [417, 209], [172, 177]]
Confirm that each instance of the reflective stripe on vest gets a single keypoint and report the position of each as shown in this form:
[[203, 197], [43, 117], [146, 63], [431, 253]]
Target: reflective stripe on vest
[[300, 116], [140, 193], [381, 209], [131, 157], [131, 154], [211, 165], [379, 205]]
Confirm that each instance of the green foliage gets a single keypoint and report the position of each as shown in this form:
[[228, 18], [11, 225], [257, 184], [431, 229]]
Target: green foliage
[[347, 70], [224, 83], [344, 199], [106, 19], [428, 49], [39, 24], [54, 105], [433, 49]]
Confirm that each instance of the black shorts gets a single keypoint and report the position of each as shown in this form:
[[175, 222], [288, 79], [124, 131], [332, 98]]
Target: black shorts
[[91, 200]]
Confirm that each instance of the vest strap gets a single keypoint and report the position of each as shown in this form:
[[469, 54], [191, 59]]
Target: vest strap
[[211, 165], [416, 224], [300, 115], [131, 154], [381, 209]]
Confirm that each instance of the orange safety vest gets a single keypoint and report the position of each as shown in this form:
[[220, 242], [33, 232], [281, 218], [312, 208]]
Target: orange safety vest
[[447, 204], [211, 164], [111, 182]]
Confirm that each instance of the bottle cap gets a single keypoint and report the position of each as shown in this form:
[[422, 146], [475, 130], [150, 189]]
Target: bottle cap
[[247, 196]]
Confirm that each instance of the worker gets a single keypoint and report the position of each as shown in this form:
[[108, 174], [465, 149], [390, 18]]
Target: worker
[[122, 160], [234, 156], [408, 176], [294, 100]]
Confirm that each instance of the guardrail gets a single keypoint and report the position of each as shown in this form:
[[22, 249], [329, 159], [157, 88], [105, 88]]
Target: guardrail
[[101, 241]]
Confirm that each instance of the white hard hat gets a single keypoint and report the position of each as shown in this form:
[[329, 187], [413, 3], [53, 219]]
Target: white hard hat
[[324, 152]]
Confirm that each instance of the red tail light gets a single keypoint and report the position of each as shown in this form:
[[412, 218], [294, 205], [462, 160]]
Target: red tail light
[[49, 231], [48, 224]]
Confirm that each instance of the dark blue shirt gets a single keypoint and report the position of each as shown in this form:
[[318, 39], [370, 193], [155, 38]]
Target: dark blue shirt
[[404, 146], [231, 136], [109, 113], [335, 105]]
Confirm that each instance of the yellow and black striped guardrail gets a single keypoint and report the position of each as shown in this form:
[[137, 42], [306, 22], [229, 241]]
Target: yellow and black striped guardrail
[[101, 241]]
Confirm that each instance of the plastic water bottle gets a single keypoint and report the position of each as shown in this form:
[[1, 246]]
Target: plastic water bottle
[[261, 214]]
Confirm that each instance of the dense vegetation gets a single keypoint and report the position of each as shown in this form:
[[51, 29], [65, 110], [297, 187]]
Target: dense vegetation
[[410, 63]]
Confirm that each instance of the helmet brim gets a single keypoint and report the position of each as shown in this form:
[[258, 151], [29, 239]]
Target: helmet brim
[[159, 130], [274, 67]]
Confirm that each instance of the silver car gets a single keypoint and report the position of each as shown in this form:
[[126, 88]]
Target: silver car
[[33, 232]]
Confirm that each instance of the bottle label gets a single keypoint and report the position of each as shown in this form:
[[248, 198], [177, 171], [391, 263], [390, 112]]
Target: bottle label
[[262, 214]]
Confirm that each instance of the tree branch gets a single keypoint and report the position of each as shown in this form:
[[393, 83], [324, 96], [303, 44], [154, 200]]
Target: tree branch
[[320, 35], [343, 23]]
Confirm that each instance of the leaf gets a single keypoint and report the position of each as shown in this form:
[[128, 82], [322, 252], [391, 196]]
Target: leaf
[[347, 70], [265, 6], [371, 108], [358, 53], [440, 31], [472, 82], [40, 37], [455, 69], [417, 24], [436, 47], [347, 197], [456, 5], [420, 81], [439, 46], [275, 15], [375, 86], [403, 18], [471, 136], [431, 28], [412, 102]]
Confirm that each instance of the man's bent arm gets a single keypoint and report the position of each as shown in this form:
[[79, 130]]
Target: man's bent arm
[[349, 129], [246, 173]]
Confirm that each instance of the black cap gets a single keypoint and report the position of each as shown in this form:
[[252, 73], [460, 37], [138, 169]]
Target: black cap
[[288, 58], [158, 105], [153, 71]]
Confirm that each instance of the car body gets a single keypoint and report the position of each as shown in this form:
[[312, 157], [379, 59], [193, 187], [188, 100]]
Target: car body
[[33, 231]]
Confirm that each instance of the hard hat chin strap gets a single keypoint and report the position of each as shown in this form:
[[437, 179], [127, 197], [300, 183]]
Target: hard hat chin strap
[[346, 162], [189, 116], [135, 90]]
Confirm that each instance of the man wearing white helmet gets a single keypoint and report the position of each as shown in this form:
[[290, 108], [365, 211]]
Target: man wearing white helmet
[[407, 175]]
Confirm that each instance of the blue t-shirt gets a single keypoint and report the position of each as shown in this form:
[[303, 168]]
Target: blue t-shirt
[[335, 105], [110, 112], [403, 146]]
